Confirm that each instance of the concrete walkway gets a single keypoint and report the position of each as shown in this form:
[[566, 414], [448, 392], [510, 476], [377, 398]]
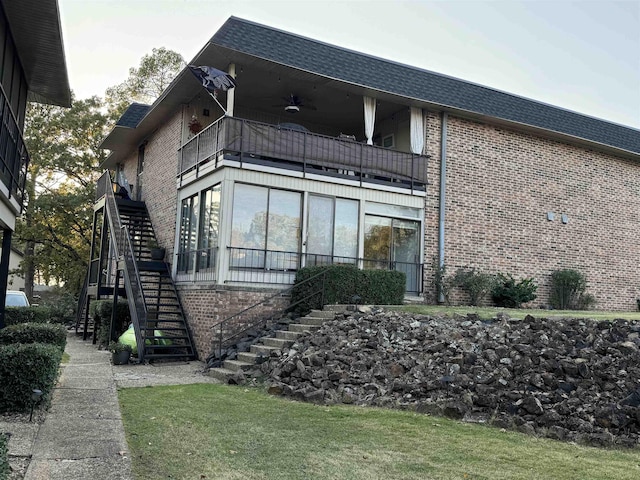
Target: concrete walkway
[[82, 436]]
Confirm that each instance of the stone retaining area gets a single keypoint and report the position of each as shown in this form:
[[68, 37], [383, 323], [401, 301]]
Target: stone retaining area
[[571, 379]]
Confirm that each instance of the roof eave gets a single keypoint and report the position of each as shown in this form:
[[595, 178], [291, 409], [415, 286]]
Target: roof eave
[[36, 29]]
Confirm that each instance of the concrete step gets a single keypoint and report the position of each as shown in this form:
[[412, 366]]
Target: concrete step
[[301, 327], [277, 342], [309, 320], [262, 349], [327, 313], [248, 357], [238, 365], [221, 374], [287, 335]]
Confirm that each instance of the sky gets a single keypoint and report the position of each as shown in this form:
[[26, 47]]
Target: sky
[[582, 55]]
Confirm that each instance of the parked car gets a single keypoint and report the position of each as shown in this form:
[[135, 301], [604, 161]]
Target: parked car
[[16, 298]]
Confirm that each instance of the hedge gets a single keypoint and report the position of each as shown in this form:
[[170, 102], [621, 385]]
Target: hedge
[[40, 314], [34, 333], [342, 283], [23, 368], [101, 310]]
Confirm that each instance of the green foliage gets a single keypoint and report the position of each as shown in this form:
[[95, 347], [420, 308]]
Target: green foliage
[[4, 453], [61, 303], [117, 347], [145, 83], [477, 285], [101, 312], [443, 283], [34, 333], [511, 294], [39, 314], [342, 282], [568, 288], [24, 367]]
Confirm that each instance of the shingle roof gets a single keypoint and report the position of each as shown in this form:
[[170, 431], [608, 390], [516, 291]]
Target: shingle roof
[[361, 69], [132, 115]]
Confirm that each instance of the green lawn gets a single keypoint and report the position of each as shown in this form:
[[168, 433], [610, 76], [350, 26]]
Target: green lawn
[[223, 432], [490, 312]]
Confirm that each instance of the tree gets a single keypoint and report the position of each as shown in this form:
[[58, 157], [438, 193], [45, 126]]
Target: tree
[[145, 83], [56, 227]]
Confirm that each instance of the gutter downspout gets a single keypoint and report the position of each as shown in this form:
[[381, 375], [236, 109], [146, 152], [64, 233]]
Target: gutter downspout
[[443, 197]]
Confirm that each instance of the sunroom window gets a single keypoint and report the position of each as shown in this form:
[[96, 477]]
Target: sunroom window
[[332, 231], [265, 230]]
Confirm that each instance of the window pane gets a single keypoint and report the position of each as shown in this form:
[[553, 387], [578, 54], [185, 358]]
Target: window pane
[[249, 216], [377, 241], [391, 210], [188, 226], [284, 229], [320, 230], [209, 224], [346, 230]]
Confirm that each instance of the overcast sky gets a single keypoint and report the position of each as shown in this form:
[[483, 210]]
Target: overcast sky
[[583, 55]]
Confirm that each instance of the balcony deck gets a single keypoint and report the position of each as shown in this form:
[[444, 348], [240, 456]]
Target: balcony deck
[[14, 157], [248, 141]]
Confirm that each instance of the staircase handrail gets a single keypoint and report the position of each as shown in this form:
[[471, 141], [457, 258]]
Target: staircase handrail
[[82, 302], [121, 241], [278, 312]]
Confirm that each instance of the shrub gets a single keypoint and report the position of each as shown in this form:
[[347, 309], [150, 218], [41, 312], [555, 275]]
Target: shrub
[[101, 312], [24, 367], [568, 290], [34, 333], [17, 315], [442, 282], [477, 285], [509, 293], [4, 454], [342, 282]]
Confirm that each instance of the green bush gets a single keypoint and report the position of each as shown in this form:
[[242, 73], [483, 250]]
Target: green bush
[[34, 333], [24, 367], [39, 314], [511, 294], [4, 456], [342, 282], [568, 288], [476, 284], [62, 306], [101, 310]]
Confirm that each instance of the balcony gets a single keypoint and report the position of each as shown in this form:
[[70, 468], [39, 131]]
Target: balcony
[[14, 157], [247, 141]]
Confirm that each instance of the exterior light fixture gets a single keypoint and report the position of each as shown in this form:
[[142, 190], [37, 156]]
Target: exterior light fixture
[[35, 398]]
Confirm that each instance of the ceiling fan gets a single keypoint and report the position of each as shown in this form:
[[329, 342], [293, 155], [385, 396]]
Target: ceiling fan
[[293, 103]]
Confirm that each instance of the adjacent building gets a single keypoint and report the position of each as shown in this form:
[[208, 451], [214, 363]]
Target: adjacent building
[[33, 68]]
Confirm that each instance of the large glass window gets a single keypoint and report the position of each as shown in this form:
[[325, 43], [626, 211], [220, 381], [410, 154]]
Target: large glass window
[[209, 225], [332, 232], [188, 234], [265, 230]]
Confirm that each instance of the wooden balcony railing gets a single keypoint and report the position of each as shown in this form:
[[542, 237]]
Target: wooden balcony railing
[[254, 142]]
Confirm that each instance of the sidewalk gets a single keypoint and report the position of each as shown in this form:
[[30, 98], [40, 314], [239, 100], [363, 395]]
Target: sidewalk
[[82, 436]]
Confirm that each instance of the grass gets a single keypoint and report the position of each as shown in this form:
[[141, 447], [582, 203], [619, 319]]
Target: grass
[[223, 432], [65, 357], [490, 312]]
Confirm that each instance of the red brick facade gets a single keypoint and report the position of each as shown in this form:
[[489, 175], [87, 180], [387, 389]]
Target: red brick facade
[[500, 186]]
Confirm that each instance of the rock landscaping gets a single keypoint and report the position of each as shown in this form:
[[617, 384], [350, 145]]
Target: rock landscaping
[[572, 379]]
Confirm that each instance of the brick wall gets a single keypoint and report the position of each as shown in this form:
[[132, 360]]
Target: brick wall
[[207, 305], [500, 186]]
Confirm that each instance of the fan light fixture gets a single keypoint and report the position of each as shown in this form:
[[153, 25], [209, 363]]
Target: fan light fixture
[[292, 109]]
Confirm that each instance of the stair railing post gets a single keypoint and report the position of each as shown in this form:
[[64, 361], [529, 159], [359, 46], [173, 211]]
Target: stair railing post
[[112, 329]]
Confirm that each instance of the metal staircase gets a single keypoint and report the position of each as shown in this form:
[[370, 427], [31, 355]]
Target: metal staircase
[[156, 312]]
